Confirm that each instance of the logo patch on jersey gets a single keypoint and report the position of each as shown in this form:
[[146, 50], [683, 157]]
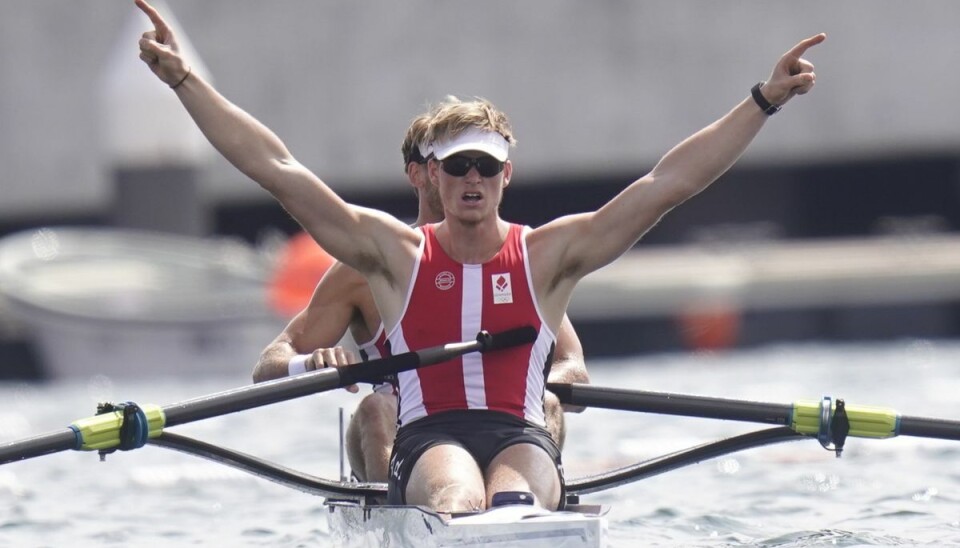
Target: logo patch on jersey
[[445, 280], [502, 290]]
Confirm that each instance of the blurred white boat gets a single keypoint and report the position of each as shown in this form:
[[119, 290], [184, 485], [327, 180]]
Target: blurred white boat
[[137, 304]]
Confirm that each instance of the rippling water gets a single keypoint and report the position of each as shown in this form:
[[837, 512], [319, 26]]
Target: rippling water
[[898, 492]]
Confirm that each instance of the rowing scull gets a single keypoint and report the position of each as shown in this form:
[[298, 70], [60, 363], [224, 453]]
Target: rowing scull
[[356, 525]]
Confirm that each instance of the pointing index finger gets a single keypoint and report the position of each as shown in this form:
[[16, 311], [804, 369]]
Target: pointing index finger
[[163, 30], [798, 50]]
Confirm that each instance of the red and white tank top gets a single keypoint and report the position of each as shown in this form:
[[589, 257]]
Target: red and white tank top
[[450, 302], [374, 349]]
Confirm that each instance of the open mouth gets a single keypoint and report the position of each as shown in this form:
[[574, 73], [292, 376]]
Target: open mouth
[[472, 197]]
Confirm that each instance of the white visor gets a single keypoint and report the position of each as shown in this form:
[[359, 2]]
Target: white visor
[[426, 149], [489, 142]]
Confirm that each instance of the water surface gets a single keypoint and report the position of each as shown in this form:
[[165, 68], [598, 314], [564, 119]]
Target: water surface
[[896, 492]]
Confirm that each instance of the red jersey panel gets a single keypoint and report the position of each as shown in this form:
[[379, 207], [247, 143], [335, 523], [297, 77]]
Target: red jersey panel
[[451, 302]]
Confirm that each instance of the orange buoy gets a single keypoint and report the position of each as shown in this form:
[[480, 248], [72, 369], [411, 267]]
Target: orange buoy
[[300, 266], [710, 327]]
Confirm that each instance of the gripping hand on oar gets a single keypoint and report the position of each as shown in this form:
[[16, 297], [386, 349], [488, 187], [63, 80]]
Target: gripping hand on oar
[[337, 356]]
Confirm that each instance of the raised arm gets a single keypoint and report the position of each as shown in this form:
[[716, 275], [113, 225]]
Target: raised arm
[[362, 238], [579, 244]]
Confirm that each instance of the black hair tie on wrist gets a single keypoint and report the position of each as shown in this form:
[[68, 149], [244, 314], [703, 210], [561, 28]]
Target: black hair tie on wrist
[[182, 80], [761, 101]]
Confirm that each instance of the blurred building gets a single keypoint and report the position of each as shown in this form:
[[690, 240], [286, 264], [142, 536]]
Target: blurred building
[[597, 92]]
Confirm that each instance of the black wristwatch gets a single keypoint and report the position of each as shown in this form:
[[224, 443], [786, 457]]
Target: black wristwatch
[[762, 102]]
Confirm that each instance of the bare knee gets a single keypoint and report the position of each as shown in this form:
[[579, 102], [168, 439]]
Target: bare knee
[[447, 479], [377, 407], [524, 467], [456, 497]]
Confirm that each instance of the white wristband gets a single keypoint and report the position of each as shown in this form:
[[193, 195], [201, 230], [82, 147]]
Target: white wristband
[[297, 364]]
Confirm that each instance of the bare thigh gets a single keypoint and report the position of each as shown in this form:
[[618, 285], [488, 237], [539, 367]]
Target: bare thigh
[[447, 479], [553, 414], [524, 467], [370, 436]]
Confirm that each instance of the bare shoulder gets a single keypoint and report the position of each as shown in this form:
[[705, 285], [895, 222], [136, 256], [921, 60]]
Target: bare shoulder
[[550, 243], [393, 225], [396, 241]]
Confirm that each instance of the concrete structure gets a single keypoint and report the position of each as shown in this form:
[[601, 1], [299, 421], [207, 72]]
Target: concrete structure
[[597, 91], [593, 87], [154, 151]]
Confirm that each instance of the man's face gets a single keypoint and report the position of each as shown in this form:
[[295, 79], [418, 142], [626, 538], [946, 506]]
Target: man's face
[[470, 184]]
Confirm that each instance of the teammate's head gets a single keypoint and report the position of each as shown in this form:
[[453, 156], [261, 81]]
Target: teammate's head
[[416, 150], [415, 146]]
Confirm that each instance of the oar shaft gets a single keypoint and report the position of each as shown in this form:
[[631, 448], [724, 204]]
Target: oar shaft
[[103, 431], [249, 397], [288, 388], [37, 446], [924, 427], [672, 404], [266, 393]]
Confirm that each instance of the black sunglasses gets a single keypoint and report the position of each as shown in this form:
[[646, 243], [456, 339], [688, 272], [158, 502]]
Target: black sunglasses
[[458, 166]]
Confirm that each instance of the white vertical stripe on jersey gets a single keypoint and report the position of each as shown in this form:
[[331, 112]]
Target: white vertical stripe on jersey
[[472, 306], [533, 397], [411, 395], [370, 347], [408, 381]]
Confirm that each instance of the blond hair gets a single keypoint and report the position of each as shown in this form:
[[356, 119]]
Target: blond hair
[[416, 135], [452, 116]]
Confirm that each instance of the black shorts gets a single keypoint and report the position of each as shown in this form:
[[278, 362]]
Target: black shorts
[[483, 434]]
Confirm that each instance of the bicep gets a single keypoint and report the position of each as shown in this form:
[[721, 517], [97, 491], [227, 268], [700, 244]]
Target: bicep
[[593, 240], [325, 320]]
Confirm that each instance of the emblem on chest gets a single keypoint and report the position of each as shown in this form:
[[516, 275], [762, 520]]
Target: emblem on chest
[[445, 280], [502, 288]]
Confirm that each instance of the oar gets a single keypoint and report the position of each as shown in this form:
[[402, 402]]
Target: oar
[[315, 485], [829, 420], [348, 490], [116, 428], [684, 457]]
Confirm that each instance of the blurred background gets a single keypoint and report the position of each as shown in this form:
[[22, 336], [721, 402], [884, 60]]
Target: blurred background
[[839, 222]]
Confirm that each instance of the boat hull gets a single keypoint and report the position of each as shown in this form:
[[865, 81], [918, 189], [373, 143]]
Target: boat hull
[[355, 525], [123, 303]]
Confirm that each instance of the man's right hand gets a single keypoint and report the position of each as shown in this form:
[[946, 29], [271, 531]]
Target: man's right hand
[[337, 356]]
